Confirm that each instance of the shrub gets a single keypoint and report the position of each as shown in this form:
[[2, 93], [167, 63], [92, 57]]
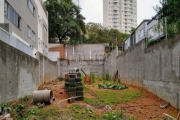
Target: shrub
[[107, 76], [92, 77]]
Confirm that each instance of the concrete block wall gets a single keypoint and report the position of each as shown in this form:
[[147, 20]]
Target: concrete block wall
[[85, 51], [89, 57], [156, 68], [21, 74], [88, 66]]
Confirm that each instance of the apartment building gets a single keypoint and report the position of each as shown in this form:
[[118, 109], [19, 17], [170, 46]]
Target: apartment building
[[120, 14], [25, 23]]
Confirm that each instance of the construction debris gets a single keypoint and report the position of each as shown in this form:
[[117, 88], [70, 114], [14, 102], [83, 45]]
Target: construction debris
[[73, 85], [40, 105], [169, 117], [107, 108], [164, 106], [43, 96], [178, 117]]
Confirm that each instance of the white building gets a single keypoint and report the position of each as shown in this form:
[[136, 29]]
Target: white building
[[139, 34], [23, 24], [147, 30], [42, 20], [120, 14], [155, 34]]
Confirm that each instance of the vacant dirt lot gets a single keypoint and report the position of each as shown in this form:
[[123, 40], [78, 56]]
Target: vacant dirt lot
[[145, 106]]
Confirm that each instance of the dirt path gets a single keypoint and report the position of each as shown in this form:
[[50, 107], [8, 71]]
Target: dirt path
[[145, 107]]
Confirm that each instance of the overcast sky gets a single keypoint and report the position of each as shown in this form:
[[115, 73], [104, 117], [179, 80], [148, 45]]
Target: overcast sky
[[93, 10]]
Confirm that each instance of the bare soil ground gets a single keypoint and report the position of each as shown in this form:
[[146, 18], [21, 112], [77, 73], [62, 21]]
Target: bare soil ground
[[146, 107]]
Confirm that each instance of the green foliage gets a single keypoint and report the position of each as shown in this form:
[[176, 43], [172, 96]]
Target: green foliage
[[92, 77], [132, 30], [151, 41], [169, 15], [82, 77], [113, 116], [112, 86], [64, 20], [97, 34], [107, 76], [99, 78], [111, 97], [80, 112]]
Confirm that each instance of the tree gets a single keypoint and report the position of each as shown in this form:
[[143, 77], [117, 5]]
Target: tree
[[65, 20], [132, 30], [97, 34], [169, 13]]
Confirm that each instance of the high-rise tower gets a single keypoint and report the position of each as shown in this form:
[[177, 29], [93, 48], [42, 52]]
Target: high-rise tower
[[120, 14]]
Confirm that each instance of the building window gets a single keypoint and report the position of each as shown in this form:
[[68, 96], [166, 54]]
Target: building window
[[151, 32], [33, 37], [11, 14], [45, 29], [142, 33], [31, 34], [6, 9], [31, 6]]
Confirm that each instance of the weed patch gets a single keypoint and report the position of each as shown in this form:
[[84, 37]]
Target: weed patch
[[112, 97]]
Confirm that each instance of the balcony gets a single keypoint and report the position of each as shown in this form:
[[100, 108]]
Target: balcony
[[116, 7], [16, 43]]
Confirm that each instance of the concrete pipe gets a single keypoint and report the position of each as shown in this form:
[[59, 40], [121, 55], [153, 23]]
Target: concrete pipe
[[45, 96]]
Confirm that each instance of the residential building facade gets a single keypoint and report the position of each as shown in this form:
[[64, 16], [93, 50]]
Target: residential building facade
[[155, 34], [147, 30], [20, 19], [42, 20], [120, 14]]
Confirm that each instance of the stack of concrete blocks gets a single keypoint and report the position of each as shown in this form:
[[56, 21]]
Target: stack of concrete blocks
[[74, 86]]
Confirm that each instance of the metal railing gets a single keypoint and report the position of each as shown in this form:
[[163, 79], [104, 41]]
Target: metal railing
[[16, 43], [4, 36]]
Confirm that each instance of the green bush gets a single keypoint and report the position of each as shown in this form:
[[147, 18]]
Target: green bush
[[92, 77], [107, 76]]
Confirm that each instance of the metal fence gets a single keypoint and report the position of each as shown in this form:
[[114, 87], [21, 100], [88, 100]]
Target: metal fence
[[16, 43]]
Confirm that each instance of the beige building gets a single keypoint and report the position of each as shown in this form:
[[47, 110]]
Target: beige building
[[120, 14]]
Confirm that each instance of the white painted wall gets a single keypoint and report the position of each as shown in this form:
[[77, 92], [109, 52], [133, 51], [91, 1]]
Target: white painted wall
[[40, 18], [155, 33], [53, 56], [1, 11], [144, 28], [127, 43]]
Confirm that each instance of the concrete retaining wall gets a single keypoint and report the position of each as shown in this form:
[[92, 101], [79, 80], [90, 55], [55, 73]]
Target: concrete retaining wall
[[20, 74], [89, 57], [88, 66], [156, 68], [110, 63], [85, 51]]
